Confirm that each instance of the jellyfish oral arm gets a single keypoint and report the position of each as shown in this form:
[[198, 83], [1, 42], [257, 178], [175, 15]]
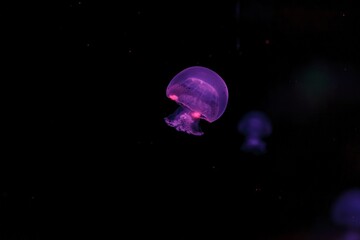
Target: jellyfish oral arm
[[254, 144], [185, 120]]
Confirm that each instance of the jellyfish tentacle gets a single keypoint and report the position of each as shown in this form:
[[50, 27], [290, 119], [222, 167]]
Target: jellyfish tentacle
[[182, 121]]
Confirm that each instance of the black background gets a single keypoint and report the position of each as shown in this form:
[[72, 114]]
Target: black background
[[87, 148]]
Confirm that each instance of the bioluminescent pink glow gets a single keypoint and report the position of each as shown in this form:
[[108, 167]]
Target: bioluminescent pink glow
[[173, 97], [196, 114]]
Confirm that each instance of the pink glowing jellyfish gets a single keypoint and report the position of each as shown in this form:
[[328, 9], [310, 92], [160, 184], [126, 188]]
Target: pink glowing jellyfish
[[201, 94]]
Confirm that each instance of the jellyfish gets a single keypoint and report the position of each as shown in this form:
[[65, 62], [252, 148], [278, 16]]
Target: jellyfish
[[255, 126], [346, 210], [346, 214], [201, 94]]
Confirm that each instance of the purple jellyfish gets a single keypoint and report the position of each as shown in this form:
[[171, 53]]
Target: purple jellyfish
[[254, 125], [201, 94], [346, 210]]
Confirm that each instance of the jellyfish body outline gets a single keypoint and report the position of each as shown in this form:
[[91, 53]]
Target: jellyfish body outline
[[201, 94], [255, 126]]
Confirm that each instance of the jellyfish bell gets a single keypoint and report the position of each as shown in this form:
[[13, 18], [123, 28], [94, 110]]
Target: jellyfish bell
[[201, 94], [255, 123], [254, 126]]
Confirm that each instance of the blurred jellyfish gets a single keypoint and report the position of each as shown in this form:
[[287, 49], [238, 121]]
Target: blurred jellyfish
[[201, 94], [346, 213], [346, 210], [255, 126]]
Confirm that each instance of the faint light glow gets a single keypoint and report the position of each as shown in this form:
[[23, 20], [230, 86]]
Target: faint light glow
[[237, 11], [316, 83], [238, 44]]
